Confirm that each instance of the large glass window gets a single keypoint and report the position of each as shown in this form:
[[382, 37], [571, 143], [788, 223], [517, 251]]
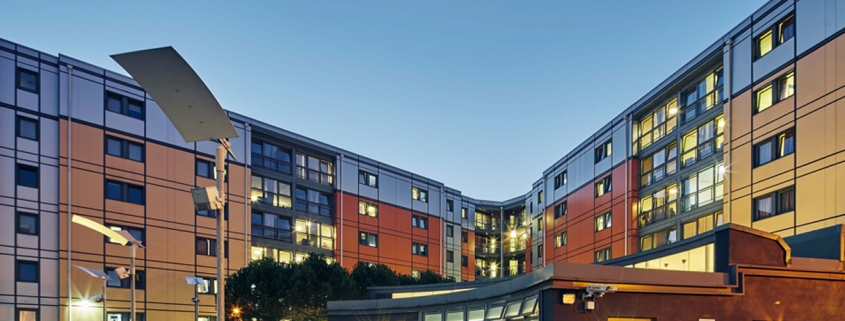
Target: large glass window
[[270, 156], [125, 192], [660, 164], [312, 201], [27, 176], [124, 105], [28, 80], [776, 203], [660, 122], [271, 192], [314, 169], [775, 36], [703, 188], [271, 226], [775, 147], [658, 205], [368, 208], [774, 92], [703, 224], [703, 141], [602, 255], [368, 239], [124, 148], [277, 255], [604, 150], [703, 95], [658, 239], [560, 239], [27, 128], [315, 234], [419, 249]]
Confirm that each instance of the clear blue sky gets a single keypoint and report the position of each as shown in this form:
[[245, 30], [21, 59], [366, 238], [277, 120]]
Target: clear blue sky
[[480, 95]]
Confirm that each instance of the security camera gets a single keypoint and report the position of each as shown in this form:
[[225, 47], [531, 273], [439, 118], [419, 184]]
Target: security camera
[[98, 298], [597, 291]]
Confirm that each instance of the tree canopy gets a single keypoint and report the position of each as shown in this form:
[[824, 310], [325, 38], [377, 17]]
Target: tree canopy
[[269, 290]]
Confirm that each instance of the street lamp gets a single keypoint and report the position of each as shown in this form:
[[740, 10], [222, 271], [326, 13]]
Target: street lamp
[[100, 274], [198, 284], [121, 237], [197, 116]]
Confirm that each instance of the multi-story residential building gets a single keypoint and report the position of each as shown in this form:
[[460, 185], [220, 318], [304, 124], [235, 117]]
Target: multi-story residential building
[[745, 132]]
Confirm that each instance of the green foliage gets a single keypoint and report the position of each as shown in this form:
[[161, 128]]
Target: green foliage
[[299, 291]]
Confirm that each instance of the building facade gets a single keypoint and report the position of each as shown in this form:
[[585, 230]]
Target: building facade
[[746, 132]]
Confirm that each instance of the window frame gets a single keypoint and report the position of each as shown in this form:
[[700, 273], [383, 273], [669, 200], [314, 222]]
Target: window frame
[[276, 231], [18, 274], [660, 238], [36, 74], [450, 230], [24, 167], [561, 209], [367, 206], [646, 137], [717, 182], [37, 225], [419, 249], [604, 150], [364, 239], [714, 143], [606, 221], [124, 191], [276, 197], [415, 219], [464, 213], [668, 165], [450, 206], [777, 202], [18, 133], [322, 209], [125, 145], [125, 102], [649, 213], [210, 169], [420, 195], [775, 33], [464, 261], [259, 159], [140, 279], [450, 256], [603, 186], [365, 177], [19, 310], [705, 100], [561, 179], [606, 255], [561, 239], [775, 141], [304, 171], [464, 237], [775, 91]]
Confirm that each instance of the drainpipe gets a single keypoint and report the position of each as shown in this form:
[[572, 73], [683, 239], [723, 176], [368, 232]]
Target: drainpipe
[[627, 184], [340, 190], [69, 193], [442, 230], [544, 226], [502, 241], [726, 148], [247, 183]]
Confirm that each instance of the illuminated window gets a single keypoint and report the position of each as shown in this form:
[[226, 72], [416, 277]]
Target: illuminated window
[[786, 86], [320, 235], [560, 239], [658, 239], [419, 194], [271, 192], [775, 147], [368, 179], [603, 221], [277, 255], [604, 150], [658, 123], [419, 222], [660, 164], [780, 89], [368, 239], [764, 43], [764, 98], [658, 205], [603, 255], [603, 186], [703, 95], [368, 209], [419, 249], [703, 224], [463, 212], [775, 36], [703, 187], [560, 180], [314, 169], [703, 141]]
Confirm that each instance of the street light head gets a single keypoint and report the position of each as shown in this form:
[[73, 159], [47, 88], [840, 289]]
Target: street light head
[[122, 272], [206, 198]]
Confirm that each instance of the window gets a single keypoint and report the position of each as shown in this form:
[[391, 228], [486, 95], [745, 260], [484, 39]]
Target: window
[[368, 209], [125, 192], [775, 36], [659, 165], [271, 157], [137, 233], [124, 105], [560, 210], [780, 89], [661, 238], [123, 316], [464, 261], [27, 271], [463, 212], [124, 148], [276, 255], [560, 240], [206, 169], [659, 205], [703, 188], [270, 191], [308, 200], [450, 206], [603, 186], [604, 150], [213, 213], [703, 224], [415, 274], [464, 237], [27, 315], [315, 234], [450, 231], [27, 176], [210, 286], [271, 226], [702, 95], [28, 80], [419, 222], [419, 249], [703, 141], [419, 194], [560, 180], [116, 282], [603, 255], [657, 124], [27, 223], [368, 239], [367, 179], [775, 147], [539, 224], [314, 169], [27, 128], [539, 197], [540, 251], [775, 203], [603, 221], [450, 256], [207, 246]]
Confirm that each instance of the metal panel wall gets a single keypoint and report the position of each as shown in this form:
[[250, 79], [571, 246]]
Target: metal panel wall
[[741, 63]]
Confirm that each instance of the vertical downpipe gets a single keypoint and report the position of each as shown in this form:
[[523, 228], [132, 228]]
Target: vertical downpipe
[[726, 149], [627, 183], [502, 241], [69, 189], [442, 230], [247, 203], [340, 190]]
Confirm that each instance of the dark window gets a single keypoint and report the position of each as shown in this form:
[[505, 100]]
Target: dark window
[[270, 156], [126, 192], [314, 169], [124, 105], [27, 223], [27, 128], [560, 180], [28, 80], [775, 147], [205, 169], [450, 256], [775, 203], [313, 202], [419, 194], [368, 239], [27, 271], [27, 176], [464, 237], [539, 224], [464, 261], [450, 206], [124, 148], [560, 209], [604, 150], [603, 221], [367, 179], [116, 282], [450, 231], [209, 247], [419, 222], [419, 249], [603, 186], [271, 226], [603, 255], [213, 214], [539, 197], [540, 251], [137, 233], [774, 36]]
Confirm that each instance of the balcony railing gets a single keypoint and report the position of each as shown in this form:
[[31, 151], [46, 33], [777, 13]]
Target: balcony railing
[[269, 198], [272, 233], [486, 249], [491, 226], [656, 215], [314, 176], [659, 172], [703, 104]]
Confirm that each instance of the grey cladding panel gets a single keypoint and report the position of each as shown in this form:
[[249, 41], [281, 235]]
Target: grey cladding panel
[[620, 141], [50, 130], [49, 92], [435, 202], [421, 207], [386, 189], [741, 64], [27, 100], [350, 177], [366, 191], [239, 144], [7, 81], [125, 123], [810, 23], [774, 59], [161, 129], [49, 188], [88, 99], [403, 193], [207, 147], [7, 129]]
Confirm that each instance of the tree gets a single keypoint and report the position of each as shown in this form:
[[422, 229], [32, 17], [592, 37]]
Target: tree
[[366, 275], [266, 301]]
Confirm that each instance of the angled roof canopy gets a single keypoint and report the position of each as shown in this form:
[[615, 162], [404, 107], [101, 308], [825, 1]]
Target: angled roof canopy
[[180, 93]]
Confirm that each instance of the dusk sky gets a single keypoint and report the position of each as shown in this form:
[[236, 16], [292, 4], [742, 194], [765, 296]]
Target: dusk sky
[[480, 95]]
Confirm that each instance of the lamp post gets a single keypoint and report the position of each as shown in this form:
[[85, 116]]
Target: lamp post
[[121, 237], [197, 116], [100, 274], [197, 282]]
